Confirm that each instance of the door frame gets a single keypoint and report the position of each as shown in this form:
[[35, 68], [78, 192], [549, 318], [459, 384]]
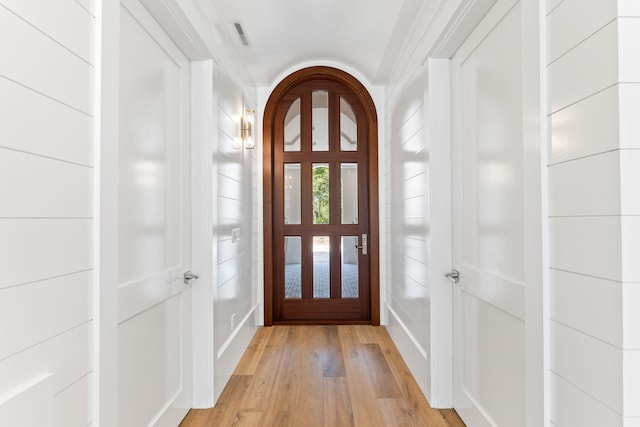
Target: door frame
[[364, 97]]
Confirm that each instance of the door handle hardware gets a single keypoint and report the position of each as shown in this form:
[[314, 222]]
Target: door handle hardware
[[454, 276], [188, 277], [363, 246]]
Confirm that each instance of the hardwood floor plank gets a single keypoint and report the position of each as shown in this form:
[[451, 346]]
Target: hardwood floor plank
[[286, 387], [226, 409], [196, 418], [396, 413], [307, 407], [414, 400], [381, 376], [367, 334], [324, 376], [330, 352], [452, 418], [366, 411], [249, 419], [260, 394], [336, 403], [251, 357]]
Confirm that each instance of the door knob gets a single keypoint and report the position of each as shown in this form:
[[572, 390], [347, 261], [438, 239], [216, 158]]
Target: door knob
[[363, 246], [454, 276], [188, 277]]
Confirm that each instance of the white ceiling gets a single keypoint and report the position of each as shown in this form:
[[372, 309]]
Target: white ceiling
[[365, 35]]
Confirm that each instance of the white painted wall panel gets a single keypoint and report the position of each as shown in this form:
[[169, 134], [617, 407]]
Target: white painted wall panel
[[68, 356], [628, 8], [43, 309], [36, 249], [590, 67], [573, 21], [588, 127], [575, 356], [65, 21], [44, 188], [629, 123], [631, 378], [631, 316], [552, 4], [588, 304], [629, 179], [630, 249], [88, 5], [46, 179], [73, 407], [571, 406], [629, 60], [61, 132], [17, 408], [587, 245], [587, 186], [67, 79]]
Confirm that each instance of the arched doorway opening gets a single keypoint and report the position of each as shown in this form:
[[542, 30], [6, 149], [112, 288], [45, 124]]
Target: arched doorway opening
[[321, 230]]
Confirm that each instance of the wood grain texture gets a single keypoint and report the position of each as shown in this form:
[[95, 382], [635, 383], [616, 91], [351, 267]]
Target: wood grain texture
[[325, 376]]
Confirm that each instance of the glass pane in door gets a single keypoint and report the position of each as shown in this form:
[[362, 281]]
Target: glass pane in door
[[349, 261], [348, 127], [321, 259], [320, 188], [292, 193], [320, 117], [292, 267], [292, 127], [349, 189]]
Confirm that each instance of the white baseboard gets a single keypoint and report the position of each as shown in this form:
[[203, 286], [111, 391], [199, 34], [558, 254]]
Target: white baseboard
[[414, 355], [230, 353]]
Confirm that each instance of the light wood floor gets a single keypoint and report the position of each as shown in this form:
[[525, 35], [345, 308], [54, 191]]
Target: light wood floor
[[303, 376]]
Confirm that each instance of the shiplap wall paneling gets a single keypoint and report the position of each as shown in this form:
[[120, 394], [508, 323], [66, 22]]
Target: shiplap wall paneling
[[46, 175], [594, 73]]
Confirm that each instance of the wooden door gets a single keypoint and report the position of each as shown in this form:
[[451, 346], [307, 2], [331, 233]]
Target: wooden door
[[321, 227], [490, 238]]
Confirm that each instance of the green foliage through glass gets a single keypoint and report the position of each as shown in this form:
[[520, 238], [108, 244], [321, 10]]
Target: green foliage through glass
[[320, 193]]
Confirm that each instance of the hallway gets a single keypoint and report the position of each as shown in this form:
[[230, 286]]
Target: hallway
[[322, 376]]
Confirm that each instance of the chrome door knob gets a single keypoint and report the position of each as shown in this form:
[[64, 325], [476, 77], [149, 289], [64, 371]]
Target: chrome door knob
[[188, 277]]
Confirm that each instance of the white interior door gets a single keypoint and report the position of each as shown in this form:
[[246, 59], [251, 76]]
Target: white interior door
[[153, 224], [489, 235]]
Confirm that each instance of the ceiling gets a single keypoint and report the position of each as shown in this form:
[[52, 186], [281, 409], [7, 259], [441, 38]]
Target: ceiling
[[365, 35]]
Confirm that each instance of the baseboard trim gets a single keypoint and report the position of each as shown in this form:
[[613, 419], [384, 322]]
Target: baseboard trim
[[414, 355]]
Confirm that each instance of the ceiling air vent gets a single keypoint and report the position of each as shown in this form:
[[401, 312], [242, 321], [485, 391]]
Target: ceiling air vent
[[243, 36]]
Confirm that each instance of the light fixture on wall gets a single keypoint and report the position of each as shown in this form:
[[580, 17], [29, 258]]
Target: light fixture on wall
[[247, 129]]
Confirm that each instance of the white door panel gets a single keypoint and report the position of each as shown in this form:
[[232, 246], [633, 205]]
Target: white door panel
[[153, 224], [489, 301]]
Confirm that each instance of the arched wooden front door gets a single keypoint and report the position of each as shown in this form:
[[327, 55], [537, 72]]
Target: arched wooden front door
[[321, 200]]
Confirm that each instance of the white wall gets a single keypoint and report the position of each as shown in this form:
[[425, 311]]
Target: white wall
[[46, 216], [407, 196], [594, 95], [238, 274]]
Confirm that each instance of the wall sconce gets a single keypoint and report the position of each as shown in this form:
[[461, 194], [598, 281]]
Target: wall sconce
[[247, 129]]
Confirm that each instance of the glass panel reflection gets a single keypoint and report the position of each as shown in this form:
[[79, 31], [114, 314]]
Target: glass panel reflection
[[292, 270], [320, 117], [292, 127], [320, 186], [321, 259], [349, 266], [348, 127], [349, 184], [292, 206]]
